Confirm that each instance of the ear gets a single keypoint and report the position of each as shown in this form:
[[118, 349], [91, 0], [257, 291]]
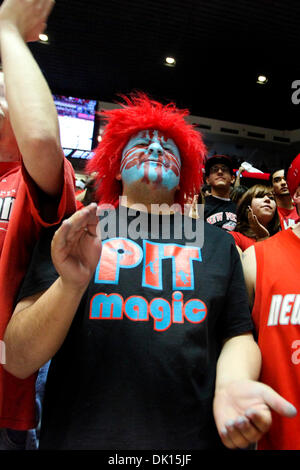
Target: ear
[[232, 179], [118, 176]]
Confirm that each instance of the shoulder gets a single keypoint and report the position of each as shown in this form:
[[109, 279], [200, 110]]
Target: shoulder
[[218, 237]]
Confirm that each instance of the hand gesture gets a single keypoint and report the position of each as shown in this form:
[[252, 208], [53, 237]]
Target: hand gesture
[[76, 247], [242, 411], [259, 229], [29, 17]]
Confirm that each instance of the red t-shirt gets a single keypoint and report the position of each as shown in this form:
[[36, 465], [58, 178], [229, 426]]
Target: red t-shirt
[[242, 241], [288, 217], [276, 315], [20, 225]]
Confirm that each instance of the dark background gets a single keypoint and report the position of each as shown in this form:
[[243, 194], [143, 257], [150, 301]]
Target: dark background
[[99, 49]]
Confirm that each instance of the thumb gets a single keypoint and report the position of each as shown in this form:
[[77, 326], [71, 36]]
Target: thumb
[[277, 403]]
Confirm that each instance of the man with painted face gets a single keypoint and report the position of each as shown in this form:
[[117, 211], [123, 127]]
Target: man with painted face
[[151, 336], [274, 295]]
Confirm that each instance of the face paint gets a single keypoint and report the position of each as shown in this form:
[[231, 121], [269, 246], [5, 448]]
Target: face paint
[[151, 158]]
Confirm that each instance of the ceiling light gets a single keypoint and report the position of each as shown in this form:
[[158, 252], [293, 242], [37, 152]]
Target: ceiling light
[[170, 61], [262, 79], [43, 37]]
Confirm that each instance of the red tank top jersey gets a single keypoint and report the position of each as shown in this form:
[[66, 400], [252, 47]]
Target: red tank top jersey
[[20, 225], [242, 241], [276, 315]]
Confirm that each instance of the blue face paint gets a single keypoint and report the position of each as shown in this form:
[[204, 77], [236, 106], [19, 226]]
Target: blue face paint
[[151, 158]]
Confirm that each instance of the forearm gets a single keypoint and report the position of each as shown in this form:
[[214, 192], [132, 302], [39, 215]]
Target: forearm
[[32, 111], [240, 358], [34, 334], [237, 180]]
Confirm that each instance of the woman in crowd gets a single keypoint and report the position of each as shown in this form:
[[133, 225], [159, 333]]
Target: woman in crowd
[[257, 217]]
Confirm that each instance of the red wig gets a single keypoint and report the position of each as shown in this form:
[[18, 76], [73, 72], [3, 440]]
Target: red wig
[[141, 113]]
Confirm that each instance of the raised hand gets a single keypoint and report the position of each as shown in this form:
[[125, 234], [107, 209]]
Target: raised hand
[[28, 16], [259, 229], [76, 247], [242, 411]]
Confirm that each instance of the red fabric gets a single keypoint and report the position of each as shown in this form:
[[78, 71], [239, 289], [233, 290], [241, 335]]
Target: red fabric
[[259, 176], [288, 217], [279, 334], [293, 175], [242, 241], [79, 205], [18, 236]]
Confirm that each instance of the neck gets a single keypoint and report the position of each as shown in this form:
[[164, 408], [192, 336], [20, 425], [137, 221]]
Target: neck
[[220, 192], [151, 201], [284, 201]]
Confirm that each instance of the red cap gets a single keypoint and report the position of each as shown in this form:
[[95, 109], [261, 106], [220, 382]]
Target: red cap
[[293, 175]]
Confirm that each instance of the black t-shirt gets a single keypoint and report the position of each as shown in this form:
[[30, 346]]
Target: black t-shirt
[[137, 368], [220, 212]]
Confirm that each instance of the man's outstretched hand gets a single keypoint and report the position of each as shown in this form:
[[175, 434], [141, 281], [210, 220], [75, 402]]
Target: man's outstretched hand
[[242, 411]]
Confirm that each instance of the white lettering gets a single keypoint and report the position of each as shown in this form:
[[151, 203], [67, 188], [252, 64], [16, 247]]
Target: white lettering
[[286, 309], [274, 310], [2, 353], [295, 356], [295, 317]]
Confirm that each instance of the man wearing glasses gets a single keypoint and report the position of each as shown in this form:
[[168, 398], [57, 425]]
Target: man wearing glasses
[[219, 209]]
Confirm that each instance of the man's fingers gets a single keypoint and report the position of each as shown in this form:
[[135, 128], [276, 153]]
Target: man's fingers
[[261, 419], [240, 433], [71, 228], [278, 403]]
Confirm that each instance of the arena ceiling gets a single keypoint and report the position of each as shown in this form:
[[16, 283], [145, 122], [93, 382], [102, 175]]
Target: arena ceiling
[[100, 49]]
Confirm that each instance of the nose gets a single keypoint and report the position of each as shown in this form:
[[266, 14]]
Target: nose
[[155, 149]]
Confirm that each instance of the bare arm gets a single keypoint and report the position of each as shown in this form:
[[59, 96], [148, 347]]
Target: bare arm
[[238, 176], [249, 267], [40, 323], [242, 406], [31, 108]]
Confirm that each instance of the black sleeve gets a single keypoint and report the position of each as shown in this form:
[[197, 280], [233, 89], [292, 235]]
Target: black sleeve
[[236, 317], [41, 272]]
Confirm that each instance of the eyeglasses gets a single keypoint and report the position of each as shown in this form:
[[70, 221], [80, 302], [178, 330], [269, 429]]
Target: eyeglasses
[[216, 168]]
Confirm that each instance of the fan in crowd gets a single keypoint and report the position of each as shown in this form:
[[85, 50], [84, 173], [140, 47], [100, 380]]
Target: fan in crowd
[[286, 208], [257, 217], [271, 270]]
